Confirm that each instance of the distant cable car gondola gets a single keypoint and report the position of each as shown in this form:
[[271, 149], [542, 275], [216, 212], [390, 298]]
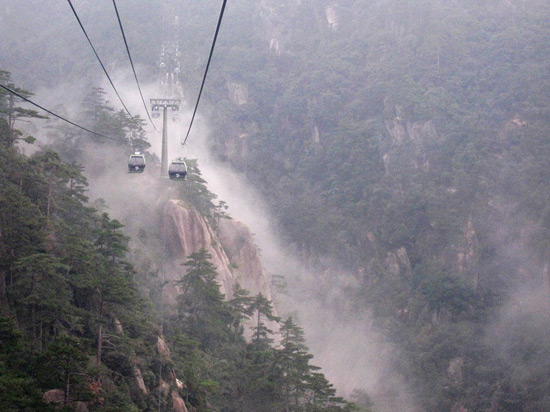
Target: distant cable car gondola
[[136, 163], [177, 169]]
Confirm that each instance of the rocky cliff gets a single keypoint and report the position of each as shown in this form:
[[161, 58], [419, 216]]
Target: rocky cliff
[[233, 250], [185, 232]]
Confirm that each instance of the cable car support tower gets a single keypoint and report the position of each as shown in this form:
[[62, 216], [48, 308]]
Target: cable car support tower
[[169, 71]]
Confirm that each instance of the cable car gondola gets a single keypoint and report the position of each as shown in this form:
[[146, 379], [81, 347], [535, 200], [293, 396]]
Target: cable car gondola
[[177, 169], [136, 163]]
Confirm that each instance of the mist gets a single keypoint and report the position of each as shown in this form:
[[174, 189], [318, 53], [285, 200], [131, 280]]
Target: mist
[[345, 344], [351, 353], [447, 105]]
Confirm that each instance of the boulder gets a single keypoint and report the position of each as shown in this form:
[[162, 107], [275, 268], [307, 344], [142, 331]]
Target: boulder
[[54, 396]]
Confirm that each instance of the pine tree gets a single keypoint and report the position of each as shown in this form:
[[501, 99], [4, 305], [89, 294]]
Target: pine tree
[[219, 213], [41, 294], [100, 117], [65, 281], [262, 308], [112, 287], [18, 390], [62, 365], [12, 113], [293, 359], [196, 192], [241, 308], [204, 315]]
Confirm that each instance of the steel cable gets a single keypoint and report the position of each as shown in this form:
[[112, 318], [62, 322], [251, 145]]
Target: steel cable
[[206, 70], [55, 114], [132, 63]]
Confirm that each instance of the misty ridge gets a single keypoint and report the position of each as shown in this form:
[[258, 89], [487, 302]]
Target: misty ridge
[[390, 158]]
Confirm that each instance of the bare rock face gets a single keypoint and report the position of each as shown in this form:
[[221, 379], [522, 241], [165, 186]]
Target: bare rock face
[[54, 396], [454, 371], [170, 387], [187, 232], [233, 250], [249, 273], [467, 254], [57, 396], [412, 137], [168, 390], [315, 136], [163, 349], [332, 18], [238, 93], [118, 327], [80, 407], [243, 254], [398, 263], [178, 405], [274, 46], [397, 130], [140, 381]]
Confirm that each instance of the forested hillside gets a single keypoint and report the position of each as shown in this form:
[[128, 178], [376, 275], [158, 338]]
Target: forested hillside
[[408, 141], [400, 144], [74, 324], [84, 329]]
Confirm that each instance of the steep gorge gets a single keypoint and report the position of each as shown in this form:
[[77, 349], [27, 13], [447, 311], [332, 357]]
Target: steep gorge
[[406, 143]]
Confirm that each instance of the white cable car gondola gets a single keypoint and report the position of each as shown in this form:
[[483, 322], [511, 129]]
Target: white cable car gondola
[[136, 163], [177, 169]]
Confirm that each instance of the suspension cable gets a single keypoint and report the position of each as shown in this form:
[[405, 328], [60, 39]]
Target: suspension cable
[[132, 63], [55, 114], [99, 60], [206, 70]]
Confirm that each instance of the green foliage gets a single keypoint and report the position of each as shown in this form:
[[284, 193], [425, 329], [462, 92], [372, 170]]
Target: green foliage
[[65, 280], [417, 126], [241, 307], [18, 388], [42, 294], [294, 363], [263, 309], [203, 312], [10, 114], [406, 126], [195, 192], [362, 400], [450, 293], [224, 372]]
